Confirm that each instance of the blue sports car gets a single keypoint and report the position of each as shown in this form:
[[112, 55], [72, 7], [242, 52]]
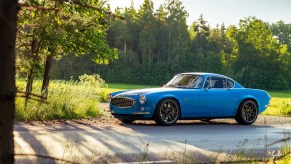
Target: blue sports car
[[190, 96]]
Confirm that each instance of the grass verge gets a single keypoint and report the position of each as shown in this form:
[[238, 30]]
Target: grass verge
[[66, 100], [280, 104], [279, 107]]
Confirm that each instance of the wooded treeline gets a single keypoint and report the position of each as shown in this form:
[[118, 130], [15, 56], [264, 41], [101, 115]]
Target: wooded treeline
[[156, 44]]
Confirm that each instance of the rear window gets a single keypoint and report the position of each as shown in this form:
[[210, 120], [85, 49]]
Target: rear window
[[230, 83]]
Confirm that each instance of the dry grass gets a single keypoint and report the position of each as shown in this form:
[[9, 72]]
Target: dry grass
[[66, 100]]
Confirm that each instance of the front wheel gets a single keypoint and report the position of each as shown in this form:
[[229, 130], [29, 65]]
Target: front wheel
[[247, 112], [167, 112]]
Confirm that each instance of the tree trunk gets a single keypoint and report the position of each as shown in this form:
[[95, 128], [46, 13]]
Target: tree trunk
[[46, 76], [35, 44], [29, 84], [8, 16]]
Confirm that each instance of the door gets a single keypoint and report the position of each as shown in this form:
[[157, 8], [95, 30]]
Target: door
[[214, 98]]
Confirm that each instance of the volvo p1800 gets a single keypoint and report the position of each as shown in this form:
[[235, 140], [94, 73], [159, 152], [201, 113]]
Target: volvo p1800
[[188, 96]]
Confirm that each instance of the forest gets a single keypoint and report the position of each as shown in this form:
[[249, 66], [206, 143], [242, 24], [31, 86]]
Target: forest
[[154, 45]]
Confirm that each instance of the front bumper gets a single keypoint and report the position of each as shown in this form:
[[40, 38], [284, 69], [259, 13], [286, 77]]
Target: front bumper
[[131, 117], [137, 111]]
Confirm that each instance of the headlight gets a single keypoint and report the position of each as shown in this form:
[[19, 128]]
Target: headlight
[[142, 99], [108, 97]]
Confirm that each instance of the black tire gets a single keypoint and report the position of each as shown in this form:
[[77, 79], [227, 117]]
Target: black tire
[[205, 119], [167, 112], [247, 112], [127, 121]]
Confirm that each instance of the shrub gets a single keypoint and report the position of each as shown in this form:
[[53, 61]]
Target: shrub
[[94, 80], [286, 109]]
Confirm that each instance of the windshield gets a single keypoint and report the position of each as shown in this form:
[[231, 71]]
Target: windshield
[[186, 81]]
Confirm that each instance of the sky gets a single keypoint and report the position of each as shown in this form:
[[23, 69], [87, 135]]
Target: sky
[[228, 12]]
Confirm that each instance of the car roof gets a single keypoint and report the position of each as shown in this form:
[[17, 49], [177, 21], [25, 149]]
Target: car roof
[[212, 74], [206, 74], [203, 74]]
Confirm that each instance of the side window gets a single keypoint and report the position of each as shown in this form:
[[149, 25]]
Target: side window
[[215, 82], [208, 83], [230, 83], [197, 82]]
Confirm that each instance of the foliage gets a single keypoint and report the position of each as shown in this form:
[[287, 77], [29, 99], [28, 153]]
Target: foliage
[[93, 80], [282, 31], [66, 100], [51, 29], [155, 45], [286, 109], [279, 107], [260, 61], [65, 27]]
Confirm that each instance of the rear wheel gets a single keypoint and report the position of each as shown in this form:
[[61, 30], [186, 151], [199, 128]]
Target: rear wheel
[[247, 112], [167, 112], [127, 121]]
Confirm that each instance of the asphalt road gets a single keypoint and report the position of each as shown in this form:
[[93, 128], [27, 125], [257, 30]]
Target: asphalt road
[[114, 142]]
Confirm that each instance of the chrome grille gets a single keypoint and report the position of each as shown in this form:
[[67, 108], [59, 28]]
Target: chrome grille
[[122, 102]]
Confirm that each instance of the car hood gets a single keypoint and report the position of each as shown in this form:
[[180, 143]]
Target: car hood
[[147, 91]]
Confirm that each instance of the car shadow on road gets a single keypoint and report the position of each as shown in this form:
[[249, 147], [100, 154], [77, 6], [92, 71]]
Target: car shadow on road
[[179, 123]]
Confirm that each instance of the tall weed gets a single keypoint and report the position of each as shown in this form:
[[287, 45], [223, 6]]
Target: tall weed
[[286, 108], [66, 100]]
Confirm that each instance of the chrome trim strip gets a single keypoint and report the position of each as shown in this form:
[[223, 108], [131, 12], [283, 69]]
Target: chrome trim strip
[[140, 112]]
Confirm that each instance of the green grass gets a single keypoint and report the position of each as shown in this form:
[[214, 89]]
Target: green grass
[[66, 100], [280, 94], [280, 102], [279, 107]]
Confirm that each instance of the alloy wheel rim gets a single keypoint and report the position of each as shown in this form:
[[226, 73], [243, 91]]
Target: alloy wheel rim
[[169, 111], [249, 111]]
